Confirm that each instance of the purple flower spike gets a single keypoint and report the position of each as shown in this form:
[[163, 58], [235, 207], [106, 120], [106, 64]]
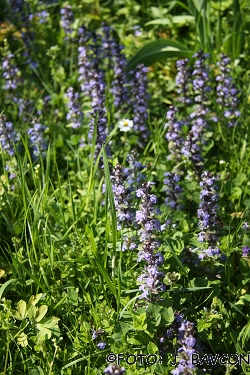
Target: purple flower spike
[[173, 190], [207, 214], [74, 115], [150, 279], [67, 18], [37, 141], [227, 95], [182, 79], [140, 99], [114, 370], [245, 251], [8, 136]]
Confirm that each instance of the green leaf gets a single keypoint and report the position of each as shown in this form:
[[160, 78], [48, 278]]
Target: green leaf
[[235, 193], [167, 315], [202, 325], [154, 310], [32, 311], [73, 297], [174, 19], [244, 334], [34, 299], [49, 326], [41, 312], [152, 348], [21, 312], [247, 202], [5, 286], [240, 178], [157, 51], [140, 322]]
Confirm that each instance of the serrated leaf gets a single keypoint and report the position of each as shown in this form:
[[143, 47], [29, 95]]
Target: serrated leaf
[[202, 325], [44, 331], [41, 312], [157, 51], [49, 326]]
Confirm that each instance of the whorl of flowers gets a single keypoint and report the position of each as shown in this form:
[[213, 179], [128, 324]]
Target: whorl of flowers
[[119, 85], [113, 369], [226, 92], [97, 86], [207, 214], [122, 197], [10, 72], [182, 80], [84, 61], [245, 251], [36, 137], [173, 190], [187, 341], [150, 279], [201, 77], [96, 336], [8, 136], [108, 45], [173, 134], [201, 87], [125, 182], [67, 18], [139, 100], [74, 115], [42, 16], [192, 150]]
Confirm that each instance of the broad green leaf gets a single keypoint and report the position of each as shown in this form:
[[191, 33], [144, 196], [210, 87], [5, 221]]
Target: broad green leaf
[[235, 193], [41, 312], [157, 51], [154, 310], [202, 325], [247, 202], [174, 19], [73, 297], [140, 322], [21, 312], [167, 314], [49, 326], [44, 331], [32, 311], [240, 178], [152, 348], [34, 299]]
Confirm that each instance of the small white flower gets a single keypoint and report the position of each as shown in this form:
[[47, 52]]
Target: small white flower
[[125, 125]]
